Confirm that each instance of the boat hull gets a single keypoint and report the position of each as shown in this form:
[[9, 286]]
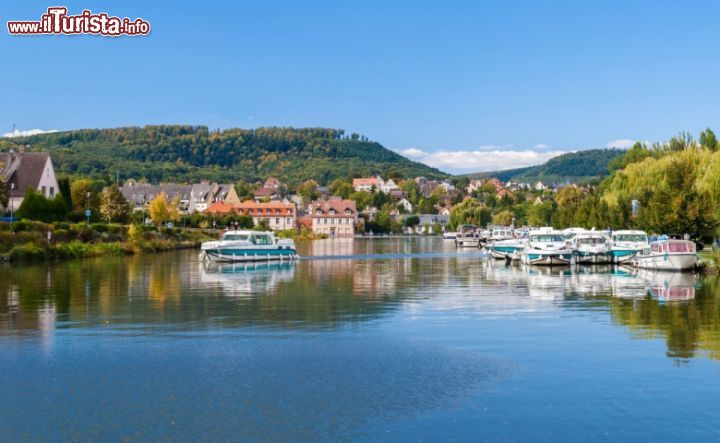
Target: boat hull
[[666, 261], [248, 255], [467, 242], [547, 258], [623, 255], [593, 258], [504, 252]]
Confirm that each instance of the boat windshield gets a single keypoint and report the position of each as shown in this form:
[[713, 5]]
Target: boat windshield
[[591, 241], [548, 238], [242, 237], [262, 239], [636, 238]]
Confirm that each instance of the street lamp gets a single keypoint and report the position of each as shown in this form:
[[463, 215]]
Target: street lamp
[[87, 207], [12, 212]]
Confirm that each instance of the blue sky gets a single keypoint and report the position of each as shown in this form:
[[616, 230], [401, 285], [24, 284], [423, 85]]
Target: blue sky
[[459, 85]]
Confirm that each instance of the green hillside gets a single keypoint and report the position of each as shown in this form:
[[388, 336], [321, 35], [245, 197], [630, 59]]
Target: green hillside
[[191, 153], [573, 166]]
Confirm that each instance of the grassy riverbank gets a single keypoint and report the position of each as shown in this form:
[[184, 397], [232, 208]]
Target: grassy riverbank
[[29, 241]]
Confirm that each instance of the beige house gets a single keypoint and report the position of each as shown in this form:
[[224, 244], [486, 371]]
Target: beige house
[[22, 171], [335, 217]]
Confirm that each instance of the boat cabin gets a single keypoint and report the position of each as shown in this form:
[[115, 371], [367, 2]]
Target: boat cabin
[[253, 237], [673, 246]]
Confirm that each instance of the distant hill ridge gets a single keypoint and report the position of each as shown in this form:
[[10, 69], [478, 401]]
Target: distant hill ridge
[[574, 166], [191, 153]]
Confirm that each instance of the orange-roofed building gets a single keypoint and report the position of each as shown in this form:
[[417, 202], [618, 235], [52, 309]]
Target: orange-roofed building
[[220, 208], [280, 216], [503, 193], [367, 184]]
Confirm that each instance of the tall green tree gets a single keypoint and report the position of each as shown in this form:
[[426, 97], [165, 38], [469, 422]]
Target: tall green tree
[[708, 139]]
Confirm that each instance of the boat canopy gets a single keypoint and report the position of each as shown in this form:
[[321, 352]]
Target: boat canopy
[[677, 246]]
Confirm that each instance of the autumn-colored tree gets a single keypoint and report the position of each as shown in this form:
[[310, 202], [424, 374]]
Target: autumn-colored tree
[[113, 206], [160, 209]]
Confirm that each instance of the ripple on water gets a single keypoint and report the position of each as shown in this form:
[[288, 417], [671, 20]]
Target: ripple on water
[[279, 389]]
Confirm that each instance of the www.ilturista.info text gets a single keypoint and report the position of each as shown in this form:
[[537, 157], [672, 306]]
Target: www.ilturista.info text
[[56, 21]]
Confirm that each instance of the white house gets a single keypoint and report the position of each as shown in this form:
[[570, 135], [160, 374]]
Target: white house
[[539, 186], [405, 203], [388, 186], [22, 171], [447, 185], [473, 186]]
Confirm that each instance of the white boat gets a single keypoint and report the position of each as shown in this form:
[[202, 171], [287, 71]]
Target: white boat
[[591, 248], [468, 236], [507, 249], [626, 244], [547, 246], [667, 255], [501, 233], [248, 246], [449, 235]]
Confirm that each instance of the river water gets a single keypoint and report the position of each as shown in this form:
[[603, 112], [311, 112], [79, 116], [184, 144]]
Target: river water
[[378, 339]]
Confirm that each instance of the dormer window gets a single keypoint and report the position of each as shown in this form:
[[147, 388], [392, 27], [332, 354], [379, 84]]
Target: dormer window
[[332, 212], [348, 212]]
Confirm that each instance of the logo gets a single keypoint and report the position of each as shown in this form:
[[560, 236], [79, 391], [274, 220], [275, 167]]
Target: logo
[[57, 22]]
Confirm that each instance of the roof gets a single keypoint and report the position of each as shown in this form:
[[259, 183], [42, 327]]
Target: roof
[[365, 181], [23, 169], [249, 204], [220, 208], [340, 205], [265, 192]]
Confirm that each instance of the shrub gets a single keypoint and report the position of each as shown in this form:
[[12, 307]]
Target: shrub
[[27, 252]]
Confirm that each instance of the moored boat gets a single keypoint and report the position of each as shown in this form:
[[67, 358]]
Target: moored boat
[[248, 246], [507, 249], [667, 255], [468, 236], [547, 247], [626, 244], [591, 248], [449, 235]]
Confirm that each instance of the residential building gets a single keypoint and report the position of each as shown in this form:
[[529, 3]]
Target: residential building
[[22, 171], [539, 186], [447, 185], [428, 222], [335, 217], [368, 184], [497, 184], [405, 203], [191, 198], [279, 216], [389, 186], [473, 186]]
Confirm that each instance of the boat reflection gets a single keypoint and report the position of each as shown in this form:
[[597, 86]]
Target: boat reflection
[[246, 279]]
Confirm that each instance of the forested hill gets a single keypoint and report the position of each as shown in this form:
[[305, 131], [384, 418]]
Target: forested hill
[[574, 166], [191, 153]]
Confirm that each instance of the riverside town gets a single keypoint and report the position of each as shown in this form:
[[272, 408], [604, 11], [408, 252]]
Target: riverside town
[[312, 222]]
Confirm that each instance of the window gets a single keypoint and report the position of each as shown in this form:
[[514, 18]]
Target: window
[[52, 191], [277, 221], [288, 220], [43, 190]]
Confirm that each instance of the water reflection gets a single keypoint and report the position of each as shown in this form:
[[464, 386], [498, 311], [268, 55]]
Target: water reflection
[[174, 292]]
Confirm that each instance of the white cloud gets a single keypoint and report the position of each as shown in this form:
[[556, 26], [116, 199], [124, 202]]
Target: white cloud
[[622, 143], [482, 159], [541, 146], [19, 133], [413, 152]]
